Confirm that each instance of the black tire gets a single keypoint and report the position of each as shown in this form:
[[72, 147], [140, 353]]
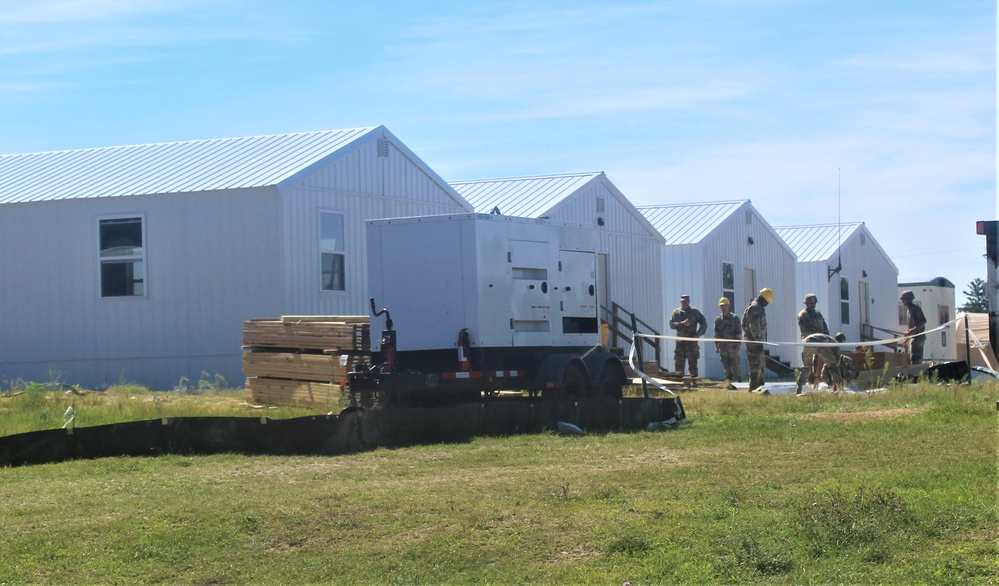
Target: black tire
[[574, 384], [611, 382]]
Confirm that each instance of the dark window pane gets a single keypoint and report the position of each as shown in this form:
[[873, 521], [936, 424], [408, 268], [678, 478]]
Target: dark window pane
[[728, 276], [331, 232], [333, 272], [121, 279], [121, 237]]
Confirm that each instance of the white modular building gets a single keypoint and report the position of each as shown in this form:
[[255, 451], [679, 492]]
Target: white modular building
[[725, 249], [852, 277], [937, 299], [140, 263], [629, 252]]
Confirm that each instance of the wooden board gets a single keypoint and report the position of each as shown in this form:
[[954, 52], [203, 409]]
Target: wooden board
[[350, 319], [273, 391], [303, 334], [300, 366]]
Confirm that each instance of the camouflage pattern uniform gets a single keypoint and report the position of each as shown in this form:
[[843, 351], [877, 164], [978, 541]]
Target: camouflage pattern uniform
[[847, 369], [729, 327], [810, 321], [827, 354], [916, 320], [754, 328], [687, 350]]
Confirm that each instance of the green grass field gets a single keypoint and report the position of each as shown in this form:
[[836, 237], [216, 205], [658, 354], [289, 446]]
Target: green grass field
[[895, 487]]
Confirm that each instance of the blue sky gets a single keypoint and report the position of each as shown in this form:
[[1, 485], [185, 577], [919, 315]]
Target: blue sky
[[818, 111]]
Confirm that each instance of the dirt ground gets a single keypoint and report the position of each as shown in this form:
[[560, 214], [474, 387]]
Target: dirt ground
[[864, 415]]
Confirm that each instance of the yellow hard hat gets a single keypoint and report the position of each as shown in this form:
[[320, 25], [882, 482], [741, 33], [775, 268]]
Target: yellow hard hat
[[767, 293], [724, 301]]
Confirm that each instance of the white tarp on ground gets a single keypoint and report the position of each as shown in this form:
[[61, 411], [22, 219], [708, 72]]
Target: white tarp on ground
[[981, 350], [789, 388]]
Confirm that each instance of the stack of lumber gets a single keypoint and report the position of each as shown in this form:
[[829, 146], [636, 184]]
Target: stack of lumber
[[303, 360]]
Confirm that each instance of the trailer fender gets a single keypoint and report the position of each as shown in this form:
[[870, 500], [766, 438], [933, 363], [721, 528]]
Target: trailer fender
[[607, 376], [551, 372], [598, 361]]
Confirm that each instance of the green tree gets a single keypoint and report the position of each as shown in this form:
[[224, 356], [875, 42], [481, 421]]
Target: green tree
[[977, 300]]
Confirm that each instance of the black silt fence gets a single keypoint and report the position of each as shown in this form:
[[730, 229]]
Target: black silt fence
[[352, 430]]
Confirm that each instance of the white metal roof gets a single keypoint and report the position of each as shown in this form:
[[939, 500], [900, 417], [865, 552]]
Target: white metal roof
[[689, 223], [817, 242], [528, 197], [199, 165]]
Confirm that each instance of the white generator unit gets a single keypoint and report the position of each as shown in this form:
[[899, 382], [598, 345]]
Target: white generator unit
[[508, 281], [483, 296]]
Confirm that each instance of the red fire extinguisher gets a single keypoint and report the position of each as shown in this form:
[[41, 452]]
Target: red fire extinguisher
[[464, 350]]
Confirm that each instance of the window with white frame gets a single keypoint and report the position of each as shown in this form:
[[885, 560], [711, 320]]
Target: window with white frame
[[728, 281], [332, 251], [844, 300], [122, 257]]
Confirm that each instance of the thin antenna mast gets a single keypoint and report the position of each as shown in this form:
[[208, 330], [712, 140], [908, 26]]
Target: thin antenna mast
[[839, 228]]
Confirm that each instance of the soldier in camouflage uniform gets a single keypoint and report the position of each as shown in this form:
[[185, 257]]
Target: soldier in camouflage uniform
[[815, 356], [754, 329], [727, 326], [917, 325], [810, 321], [688, 323], [847, 369]]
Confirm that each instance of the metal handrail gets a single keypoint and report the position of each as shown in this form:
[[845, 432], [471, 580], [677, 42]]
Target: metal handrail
[[622, 325], [867, 335]]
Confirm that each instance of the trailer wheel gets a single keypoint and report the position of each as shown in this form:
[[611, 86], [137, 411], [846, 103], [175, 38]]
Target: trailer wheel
[[574, 384], [611, 381]]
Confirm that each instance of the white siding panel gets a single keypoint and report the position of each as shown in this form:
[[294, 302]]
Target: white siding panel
[[362, 186], [214, 259], [582, 207], [858, 255], [695, 269], [883, 279], [397, 176], [210, 262], [635, 276]]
